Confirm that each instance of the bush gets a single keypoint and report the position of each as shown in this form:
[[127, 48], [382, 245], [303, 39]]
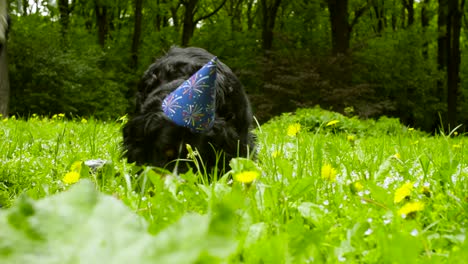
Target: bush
[[394, 65], [47, 78], [319, 120]]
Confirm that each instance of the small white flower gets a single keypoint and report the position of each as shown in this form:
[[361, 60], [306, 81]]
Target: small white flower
[[368, 232], [415, 232]]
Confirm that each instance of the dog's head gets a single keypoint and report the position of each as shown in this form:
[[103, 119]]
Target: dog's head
[[150, 137]]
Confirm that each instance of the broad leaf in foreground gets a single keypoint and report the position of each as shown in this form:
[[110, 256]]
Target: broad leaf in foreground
[[83, 226]]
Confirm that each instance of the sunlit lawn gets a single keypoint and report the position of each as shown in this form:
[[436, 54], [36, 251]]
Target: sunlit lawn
[[324, 188]]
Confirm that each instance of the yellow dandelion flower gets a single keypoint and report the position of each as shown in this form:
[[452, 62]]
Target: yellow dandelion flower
[[293, 129], [397, 156], [410, 129], [426, 191], [455, 133], [54, 116], [358, 186], [328, 172], [410, 208], [76, 166], [403, 192], [457, 146], [61, 115], [71, 177], [333, 122], [246, 176], [276, 154], [84, 121], [351, 138]]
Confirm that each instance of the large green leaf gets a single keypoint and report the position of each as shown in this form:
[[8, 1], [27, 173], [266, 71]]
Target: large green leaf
[[83, 226]]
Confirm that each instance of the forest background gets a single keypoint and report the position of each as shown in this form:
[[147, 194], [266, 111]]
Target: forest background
[[366, 58]]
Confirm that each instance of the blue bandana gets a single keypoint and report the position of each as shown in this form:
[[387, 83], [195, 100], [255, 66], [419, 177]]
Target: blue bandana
[[193, 103]]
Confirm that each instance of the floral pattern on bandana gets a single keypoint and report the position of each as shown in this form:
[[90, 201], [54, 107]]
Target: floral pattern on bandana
[[192, 104]]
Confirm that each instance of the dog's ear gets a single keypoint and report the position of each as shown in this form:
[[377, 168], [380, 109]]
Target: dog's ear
[[149, 80]]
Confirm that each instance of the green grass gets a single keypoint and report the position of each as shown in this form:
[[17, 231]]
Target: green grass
[[290, 214]]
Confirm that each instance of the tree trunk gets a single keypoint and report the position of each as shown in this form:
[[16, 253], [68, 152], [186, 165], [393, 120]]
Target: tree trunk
[[379, 9], [339, 25], [442, 44], [409, 6], [4, 81], [394, 17], [234, 10], [455, 14], [64, 16], [102, 23], [425, 26], [25, 5], [268, 22], [250, 20], [137, 32], [175, 18], [159, 17], [190, 22]]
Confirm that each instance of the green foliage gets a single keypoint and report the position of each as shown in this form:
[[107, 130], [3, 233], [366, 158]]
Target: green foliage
[[47, 78], [37, 153], [319, 120], [395, 67], [82, 225], [155, 44]]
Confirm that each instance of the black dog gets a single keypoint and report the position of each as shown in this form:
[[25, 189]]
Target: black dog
[[151, 138]]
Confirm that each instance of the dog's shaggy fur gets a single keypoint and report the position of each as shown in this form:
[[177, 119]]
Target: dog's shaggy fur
[[151, 138]]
